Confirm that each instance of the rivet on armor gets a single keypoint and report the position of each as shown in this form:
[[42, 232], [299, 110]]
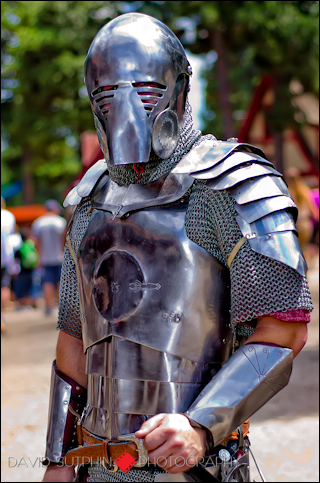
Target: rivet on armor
[[59, 439], [78, 388], [224, 341], [173, 317], [65, 402], [61, 421]]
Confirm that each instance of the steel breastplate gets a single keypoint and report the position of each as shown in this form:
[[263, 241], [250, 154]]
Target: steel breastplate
[[156, 306]]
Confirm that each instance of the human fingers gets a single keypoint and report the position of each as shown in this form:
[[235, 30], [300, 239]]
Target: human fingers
[[149, 425], [161, 456], [173, 459], [156, 438]]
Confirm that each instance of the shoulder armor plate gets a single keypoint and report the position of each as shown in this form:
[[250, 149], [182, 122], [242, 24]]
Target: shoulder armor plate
[[86, 184], [266, 211], [259, 188], [273, 222], [283, 247], [241, 173], [209, 153], [236, 159], [255, 210]]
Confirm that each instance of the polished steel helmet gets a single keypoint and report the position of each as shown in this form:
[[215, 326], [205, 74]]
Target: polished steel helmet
[[137, 77]]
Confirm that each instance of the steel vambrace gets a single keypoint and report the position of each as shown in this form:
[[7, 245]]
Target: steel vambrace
[[65, 393], [250, 378]]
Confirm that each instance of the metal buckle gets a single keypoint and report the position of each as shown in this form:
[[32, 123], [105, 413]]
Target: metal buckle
[[142, 452], [112, 467]]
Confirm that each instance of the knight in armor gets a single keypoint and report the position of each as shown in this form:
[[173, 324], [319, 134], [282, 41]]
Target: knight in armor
[[183, 296]]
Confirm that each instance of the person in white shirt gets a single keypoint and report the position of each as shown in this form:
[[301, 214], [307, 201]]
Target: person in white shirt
[[8, 225], [49, 230]]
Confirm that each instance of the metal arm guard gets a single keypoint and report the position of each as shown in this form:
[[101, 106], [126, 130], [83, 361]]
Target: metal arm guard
[[61, 432], [250, 378]]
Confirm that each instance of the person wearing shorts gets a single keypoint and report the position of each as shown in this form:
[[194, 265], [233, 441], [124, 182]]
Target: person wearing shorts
[[49, 230]]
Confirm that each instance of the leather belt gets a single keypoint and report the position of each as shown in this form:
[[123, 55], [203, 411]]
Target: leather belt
[[99, 449], [107, 450]]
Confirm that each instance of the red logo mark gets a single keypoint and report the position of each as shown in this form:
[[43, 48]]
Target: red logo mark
[[125, 461]]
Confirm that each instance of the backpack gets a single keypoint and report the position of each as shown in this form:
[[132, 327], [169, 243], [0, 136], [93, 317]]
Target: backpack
[[29, 255]]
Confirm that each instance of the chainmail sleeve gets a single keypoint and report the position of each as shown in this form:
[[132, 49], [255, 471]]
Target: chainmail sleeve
[[259, 284], [69, 319]]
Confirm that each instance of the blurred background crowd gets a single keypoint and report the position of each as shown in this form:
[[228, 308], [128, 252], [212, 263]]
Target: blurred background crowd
[[255, 77], [31, 259]]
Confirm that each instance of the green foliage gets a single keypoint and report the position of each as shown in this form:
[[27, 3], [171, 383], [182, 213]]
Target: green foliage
[[280, 39], [44, 44]]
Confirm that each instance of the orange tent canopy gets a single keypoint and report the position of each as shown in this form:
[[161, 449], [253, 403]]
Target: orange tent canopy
[[27, 214]]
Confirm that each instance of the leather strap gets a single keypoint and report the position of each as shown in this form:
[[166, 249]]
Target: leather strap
[[90, 438], [84, 455], [71, 249], [99, 449], [235, 250]]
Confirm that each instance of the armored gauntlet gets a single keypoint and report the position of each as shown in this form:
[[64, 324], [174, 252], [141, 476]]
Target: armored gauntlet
[[67, 398], [252, 376]]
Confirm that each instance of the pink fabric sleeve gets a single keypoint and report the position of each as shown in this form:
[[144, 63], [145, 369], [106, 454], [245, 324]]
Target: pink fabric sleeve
[[299, 315]]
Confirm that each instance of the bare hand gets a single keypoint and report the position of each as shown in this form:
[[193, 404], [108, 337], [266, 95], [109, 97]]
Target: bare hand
[[59, 473], [172, 443]]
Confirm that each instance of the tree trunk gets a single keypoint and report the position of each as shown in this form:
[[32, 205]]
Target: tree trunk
[[222, 74], [27, 179], [278, 126], [278, 151]]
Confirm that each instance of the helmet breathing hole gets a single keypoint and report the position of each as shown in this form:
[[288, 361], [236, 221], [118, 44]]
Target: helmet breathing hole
[[100, 100], [150, 94]]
